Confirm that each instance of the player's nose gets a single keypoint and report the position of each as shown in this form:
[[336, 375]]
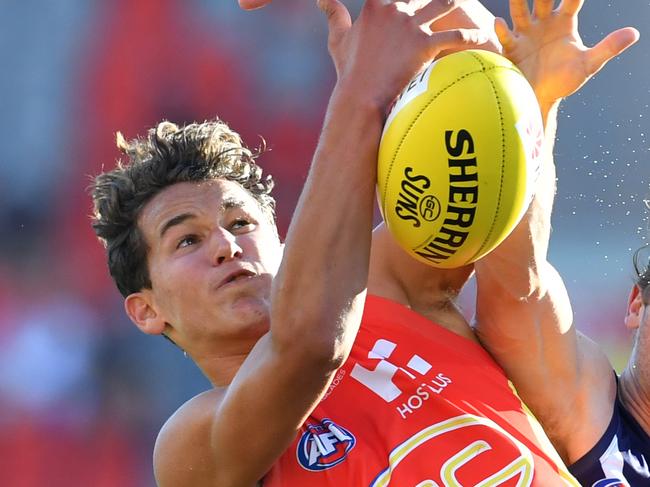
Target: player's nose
[[224, 247]]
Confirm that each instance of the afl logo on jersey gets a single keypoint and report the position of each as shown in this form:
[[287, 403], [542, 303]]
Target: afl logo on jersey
[[610, 483], [324, 445]]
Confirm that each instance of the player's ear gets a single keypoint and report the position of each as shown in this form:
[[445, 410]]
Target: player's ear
[[143, 313], [634, 309]]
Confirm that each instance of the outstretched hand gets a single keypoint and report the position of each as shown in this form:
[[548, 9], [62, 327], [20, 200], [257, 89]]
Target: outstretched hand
[[546, 45], [389, 43]]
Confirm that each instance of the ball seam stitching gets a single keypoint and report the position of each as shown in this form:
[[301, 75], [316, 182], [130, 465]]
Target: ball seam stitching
[[502, 166], [415, 119]]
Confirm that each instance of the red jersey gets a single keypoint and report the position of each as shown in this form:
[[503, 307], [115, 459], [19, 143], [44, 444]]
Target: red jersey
[[415, 405]]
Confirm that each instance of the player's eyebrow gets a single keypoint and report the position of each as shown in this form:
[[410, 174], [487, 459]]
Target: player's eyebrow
[[177, 220], [230, 203], [226, 204]]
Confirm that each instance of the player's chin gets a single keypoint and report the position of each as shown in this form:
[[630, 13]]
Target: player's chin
[[253, 4], [252, 313], [250, 296]]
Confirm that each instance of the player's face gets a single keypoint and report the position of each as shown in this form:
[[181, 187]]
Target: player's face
[[212, 256]]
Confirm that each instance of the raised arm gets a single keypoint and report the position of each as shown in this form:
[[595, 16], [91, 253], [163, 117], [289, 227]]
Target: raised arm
[[524, 317], [317, 296]]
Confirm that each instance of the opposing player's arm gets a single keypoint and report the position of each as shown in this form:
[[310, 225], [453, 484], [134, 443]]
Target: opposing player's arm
[[524, 319], [524, 316], [233, 438]]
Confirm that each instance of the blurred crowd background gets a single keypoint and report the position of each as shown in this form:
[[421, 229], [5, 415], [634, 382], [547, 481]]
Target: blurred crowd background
[[82, 393]]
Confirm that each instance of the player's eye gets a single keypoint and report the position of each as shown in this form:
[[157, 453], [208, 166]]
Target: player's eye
[[240, 223], [186, 241]]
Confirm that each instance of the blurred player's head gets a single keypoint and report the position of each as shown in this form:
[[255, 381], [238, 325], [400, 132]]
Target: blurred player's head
[[642, 267], [639, 299], [189, 227], [638, 320]]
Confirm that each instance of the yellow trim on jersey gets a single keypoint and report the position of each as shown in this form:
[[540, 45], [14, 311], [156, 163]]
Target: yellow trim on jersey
[[523, 464]]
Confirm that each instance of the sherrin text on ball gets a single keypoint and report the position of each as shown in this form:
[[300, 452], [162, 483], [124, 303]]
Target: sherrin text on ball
[[458, 158]]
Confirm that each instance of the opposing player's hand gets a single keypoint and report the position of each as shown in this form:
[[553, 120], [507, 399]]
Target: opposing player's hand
[[546, 45], [389, 43]]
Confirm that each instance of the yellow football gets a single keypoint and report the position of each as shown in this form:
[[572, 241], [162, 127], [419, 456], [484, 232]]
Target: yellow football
[[458, 158]]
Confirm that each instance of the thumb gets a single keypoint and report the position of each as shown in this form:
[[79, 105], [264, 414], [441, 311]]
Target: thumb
[[504, 34], [338, 18], [457, 39], [611, 46]]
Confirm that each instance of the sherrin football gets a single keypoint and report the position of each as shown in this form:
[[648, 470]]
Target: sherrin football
[[459, 155]]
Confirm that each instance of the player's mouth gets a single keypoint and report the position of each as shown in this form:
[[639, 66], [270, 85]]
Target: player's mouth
[[238, 276]]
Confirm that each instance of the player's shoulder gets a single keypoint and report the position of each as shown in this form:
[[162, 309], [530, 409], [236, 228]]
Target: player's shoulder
[[182, 453], [620, 454], [195, 413]]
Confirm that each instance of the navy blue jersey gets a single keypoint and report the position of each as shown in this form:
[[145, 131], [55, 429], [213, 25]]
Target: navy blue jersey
[[621, 456]]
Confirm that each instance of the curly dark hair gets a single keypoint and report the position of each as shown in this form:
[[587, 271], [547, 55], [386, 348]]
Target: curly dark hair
[[168, 155]]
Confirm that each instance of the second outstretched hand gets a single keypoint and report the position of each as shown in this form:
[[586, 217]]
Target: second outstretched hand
[[547, 47], [389, 43]]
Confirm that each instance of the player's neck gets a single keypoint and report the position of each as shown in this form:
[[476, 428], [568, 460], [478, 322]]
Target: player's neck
[[220, 371], [220, 367], [634, 397], [220, 354]]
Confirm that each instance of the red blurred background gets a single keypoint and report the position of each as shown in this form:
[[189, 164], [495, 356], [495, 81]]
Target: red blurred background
[[82, 393]]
